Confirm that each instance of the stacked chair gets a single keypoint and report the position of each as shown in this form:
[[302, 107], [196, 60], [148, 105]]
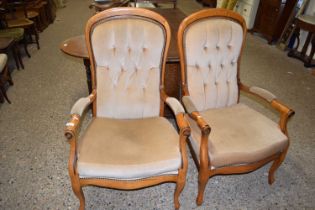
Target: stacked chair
[[5, 78], [20, 22], [130, 145]]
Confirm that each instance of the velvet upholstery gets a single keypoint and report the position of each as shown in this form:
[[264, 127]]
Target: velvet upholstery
[[239, 135], [128, 149], [212, 49], [3, 61], [127, 56]]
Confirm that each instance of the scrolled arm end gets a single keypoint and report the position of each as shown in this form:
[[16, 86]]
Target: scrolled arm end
[[72, 126], [183, 124]]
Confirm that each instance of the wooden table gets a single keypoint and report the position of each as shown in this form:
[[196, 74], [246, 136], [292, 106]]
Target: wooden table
[[108, 4], [75, 46], [307, 23]]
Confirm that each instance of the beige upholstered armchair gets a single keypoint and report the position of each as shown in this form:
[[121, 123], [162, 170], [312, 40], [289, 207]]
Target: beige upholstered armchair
[[128, 144], [241, 139]]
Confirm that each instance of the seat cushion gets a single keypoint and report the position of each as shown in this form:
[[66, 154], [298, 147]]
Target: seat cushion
[[17, 23], [15, 33], [3, 61], [239, 135], [128, 149]]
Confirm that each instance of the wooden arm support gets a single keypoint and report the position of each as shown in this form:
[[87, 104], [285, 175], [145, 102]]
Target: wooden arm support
[[80, 105], [285, 111], [183, 124], [76, 113], [72, 126], [194, 114]]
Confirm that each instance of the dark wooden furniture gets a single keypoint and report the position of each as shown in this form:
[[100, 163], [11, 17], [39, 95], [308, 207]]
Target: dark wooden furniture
[[4, 78], [10, 19], [8, 45], [271, 18], [76, 47], [157, 2], [307, 23], [209, 3], [100, 6]]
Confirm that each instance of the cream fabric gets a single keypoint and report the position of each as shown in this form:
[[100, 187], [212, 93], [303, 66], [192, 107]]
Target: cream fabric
[[189, 105], [263, 93], [80, 105], [175, 105], [308, 19], [212, 48], [3, 61], [238, 135], [128, 149], [128, 55]]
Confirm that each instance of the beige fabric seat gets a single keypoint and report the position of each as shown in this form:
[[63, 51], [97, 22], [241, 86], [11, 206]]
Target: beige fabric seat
[[3, 61], [227, 137], [239, 136], [137, 151]]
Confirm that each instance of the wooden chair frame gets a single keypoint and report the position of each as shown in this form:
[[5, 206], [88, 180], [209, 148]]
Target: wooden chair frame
[[204, 167], [71, 130]]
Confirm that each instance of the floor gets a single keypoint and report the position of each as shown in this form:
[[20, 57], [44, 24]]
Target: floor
[[34, 152]]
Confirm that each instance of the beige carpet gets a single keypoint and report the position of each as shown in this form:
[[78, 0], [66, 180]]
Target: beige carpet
[[34, 153]]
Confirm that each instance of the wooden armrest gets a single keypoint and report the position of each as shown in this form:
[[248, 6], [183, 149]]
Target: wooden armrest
[[72, 126], [179, 112], [260, 92], [80, 105], [183, 124], [194, 114], [175, 105], [285, 111]]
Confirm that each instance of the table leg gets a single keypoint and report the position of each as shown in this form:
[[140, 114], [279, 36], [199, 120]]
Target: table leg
[[87, 65]]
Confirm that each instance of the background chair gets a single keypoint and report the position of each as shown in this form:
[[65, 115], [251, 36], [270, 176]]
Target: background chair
[[13, 18], [128, 144], [241, 139], [4, 77]]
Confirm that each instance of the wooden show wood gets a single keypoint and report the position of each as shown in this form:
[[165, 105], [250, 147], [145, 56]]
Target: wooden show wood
[[75, 46]]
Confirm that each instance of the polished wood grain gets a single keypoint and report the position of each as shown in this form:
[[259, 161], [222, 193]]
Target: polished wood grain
[[205, 168]]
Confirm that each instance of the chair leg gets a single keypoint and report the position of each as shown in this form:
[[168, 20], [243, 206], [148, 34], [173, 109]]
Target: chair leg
[[25, 46], [202, 183], [5, 94], [16, 59], [17, 50], [36, 36], [275, 165], [77, 189], [179, 188]]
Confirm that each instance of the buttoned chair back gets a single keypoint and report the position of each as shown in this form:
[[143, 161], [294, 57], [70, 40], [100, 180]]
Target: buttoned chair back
[[212, 47], [127, 63], [241, 139]]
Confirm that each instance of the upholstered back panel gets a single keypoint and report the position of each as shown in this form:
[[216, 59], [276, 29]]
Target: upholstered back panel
[[128, 61], [212, 47]]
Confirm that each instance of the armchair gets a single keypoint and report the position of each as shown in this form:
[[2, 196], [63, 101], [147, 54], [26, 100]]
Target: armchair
[[128, 144], [227, 137]]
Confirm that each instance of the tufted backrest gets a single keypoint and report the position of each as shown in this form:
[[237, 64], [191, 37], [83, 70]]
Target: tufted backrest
[[211, 45], [127, 46]]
